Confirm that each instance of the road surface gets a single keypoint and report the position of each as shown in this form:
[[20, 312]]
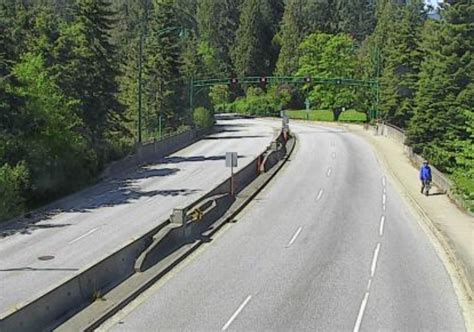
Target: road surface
[[328, 245], [92, 224]]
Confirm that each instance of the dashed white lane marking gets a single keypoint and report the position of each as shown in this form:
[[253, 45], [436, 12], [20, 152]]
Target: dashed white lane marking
[[384, 181], [382, 222], [384, 191], [328, 173], [361, 312], [234, 316], [84, 235], [384, 199], [369, 284], [293, 239], [384, 207], [320, 194], [374, 260]]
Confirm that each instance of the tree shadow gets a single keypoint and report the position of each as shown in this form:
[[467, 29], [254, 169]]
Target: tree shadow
[[180, 159], [231, 137], [113, 192]]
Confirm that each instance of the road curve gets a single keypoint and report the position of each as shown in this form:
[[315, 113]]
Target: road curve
[[92, 224], [329, 245]]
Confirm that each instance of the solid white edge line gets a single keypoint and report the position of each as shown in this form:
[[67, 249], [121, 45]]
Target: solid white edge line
[[236, 313], [84, 235], [294, 237], [361, 312], [374, 260], [320, 194], [382, 222]]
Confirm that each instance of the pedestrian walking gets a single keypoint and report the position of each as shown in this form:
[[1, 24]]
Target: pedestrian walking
[[425, 177]]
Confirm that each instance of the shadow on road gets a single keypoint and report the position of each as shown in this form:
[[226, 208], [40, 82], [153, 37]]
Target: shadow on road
[[111, 193], [34, 269]]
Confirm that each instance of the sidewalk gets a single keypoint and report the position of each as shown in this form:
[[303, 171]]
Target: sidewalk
[[453, 228]]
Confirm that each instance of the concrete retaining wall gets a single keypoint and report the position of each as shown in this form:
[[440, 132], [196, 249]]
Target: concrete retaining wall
[[62, 302], [153, 150], [398, 135]]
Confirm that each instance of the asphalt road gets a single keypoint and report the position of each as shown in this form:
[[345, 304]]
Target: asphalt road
[[92, 224], [328, 246]]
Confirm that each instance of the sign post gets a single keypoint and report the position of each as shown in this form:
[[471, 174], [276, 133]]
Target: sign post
[[231, 161], [308, 105]]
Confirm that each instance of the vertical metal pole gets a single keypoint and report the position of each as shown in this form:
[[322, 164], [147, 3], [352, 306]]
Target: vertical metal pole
[[377, 87], [232, 180], [191, 96], [159, 125], [140, 59]]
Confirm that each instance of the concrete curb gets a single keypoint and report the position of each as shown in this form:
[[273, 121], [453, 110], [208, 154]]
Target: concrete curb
[[89, 320]]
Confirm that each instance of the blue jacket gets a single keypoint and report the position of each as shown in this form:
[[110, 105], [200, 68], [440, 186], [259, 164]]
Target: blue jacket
[[425, 173]]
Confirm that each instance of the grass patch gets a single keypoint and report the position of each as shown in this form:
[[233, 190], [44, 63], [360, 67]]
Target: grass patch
[[325, 115]]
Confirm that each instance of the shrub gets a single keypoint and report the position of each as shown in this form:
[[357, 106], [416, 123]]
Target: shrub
[[13, 181], [203, 118]]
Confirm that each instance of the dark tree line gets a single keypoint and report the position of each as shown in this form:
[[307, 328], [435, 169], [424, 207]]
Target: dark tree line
[[69, 75]]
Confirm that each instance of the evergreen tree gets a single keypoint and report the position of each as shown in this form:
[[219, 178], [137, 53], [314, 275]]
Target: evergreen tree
[[291, 35], [86, 67], [401, 61], [440, 128], [217, 22], [248, 54], [355, 17], [161, 68]]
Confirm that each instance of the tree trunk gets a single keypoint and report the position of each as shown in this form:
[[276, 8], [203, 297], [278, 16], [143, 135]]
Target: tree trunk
[[336, 113]]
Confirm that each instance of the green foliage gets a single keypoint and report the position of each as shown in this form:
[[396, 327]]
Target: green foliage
[[219, 95], [203, 118], [325, 115], [12, 183], [329, 56], [401, 61], [218, 22], [254, 52]]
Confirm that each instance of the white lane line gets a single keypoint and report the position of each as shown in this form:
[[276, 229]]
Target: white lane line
[[374, 260], [329, 172], [369, 284], [320, 194], [384, 181], [382, 222], [84, 235], [384, 199], [236, 313], [361, 312], [384, 191], [384, 207], [294, 237]]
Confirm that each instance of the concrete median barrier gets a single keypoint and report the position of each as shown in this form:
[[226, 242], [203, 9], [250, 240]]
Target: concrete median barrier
[[58, 304]]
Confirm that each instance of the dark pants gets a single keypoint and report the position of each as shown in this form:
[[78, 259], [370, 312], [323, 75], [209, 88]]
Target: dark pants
[[424, 184]]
